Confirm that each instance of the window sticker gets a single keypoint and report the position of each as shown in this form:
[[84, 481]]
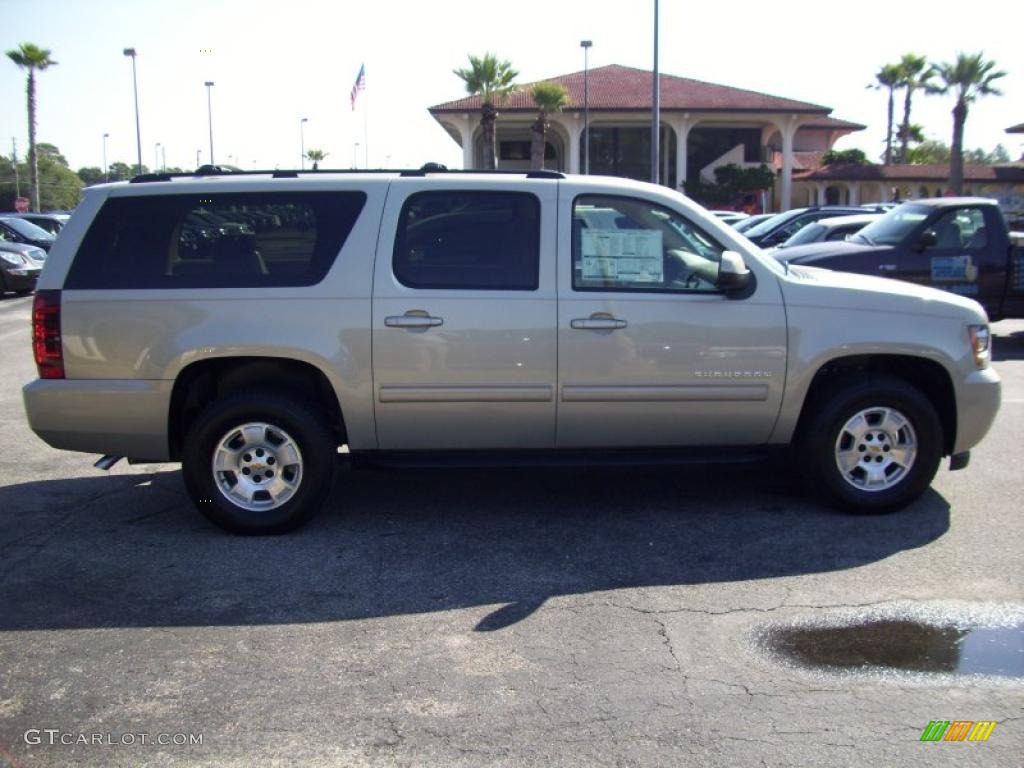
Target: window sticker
[[633, 256], [953, 269]]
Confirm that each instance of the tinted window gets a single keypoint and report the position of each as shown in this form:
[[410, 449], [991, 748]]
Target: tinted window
[[246, 240], [894, 226], [464, 240], [28, 230], [961, 228], [627, 244]]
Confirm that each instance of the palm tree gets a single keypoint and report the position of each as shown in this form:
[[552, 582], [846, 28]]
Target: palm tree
[[969, 77], [549, 97], [888, 77], [317, 156], [31, 57], [492, 80], [915, 73]]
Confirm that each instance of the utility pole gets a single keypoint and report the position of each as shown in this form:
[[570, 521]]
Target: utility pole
[[209, 112], [135, 85]]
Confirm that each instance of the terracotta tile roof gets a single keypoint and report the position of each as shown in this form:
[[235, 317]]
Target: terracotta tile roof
[[615, 87], [832, 123], [1016, 128], [1006, 173]]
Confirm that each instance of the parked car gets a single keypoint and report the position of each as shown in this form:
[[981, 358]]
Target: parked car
[[445, 317], [730, 217], [883, 207], [20, 266], [784, 225], [17, 230], [958, 244], [51, 222], [829, 230], [752, 221]]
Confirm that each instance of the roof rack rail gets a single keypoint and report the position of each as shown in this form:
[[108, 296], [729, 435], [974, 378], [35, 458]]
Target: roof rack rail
[[285, 173]]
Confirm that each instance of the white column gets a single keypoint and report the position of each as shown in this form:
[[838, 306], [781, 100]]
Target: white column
[[468, 155], [681, 126], [821, 194], [575, 130], [854, 188], [788, 133]]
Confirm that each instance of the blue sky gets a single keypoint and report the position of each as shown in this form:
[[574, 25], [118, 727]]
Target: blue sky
[[276, 62]]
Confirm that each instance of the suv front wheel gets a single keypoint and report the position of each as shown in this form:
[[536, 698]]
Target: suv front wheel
[[871, 446], [258, 463]]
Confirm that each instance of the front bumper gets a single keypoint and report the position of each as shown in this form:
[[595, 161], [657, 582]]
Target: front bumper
[[21, 279], [977, 405]]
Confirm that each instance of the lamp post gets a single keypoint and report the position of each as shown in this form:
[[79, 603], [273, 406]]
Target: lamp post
[[585, 45], [209, 113], [655, 105], [198, 153], [302, 142], [156, 157], [355, 155], [163, 157], [135, 85], [106, 177]]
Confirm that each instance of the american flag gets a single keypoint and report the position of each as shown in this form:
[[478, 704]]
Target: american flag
[[360, 84]]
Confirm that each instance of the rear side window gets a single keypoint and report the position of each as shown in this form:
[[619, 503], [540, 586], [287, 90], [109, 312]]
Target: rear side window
[[469, 240], [244, 240]]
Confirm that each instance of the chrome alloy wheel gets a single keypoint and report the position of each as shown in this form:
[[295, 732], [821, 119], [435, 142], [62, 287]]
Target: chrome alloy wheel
[[876, 449], [257, 466]]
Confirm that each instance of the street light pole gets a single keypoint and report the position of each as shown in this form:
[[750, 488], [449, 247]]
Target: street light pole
[[163, 157], [209, 112], [198, 153], [585, 45], [135, 85], [106, 177], [156, 157], [302, 142], [655, 105]]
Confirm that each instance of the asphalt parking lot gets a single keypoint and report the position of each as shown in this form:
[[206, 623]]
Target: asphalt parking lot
[[470, 618]]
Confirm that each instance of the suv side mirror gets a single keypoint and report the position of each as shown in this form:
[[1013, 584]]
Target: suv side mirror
[[733, 275], [928, 239]]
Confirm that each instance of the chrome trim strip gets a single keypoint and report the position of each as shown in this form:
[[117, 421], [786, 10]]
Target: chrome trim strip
[[680, 393], [466, 394]]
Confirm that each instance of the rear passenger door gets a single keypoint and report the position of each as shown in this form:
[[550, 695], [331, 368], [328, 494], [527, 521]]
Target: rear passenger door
[[464, 315]]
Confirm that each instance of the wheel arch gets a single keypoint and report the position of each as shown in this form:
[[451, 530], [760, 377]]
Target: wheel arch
[[201, 383], [927, 375]]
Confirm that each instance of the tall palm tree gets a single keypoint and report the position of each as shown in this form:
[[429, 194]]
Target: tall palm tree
[[492, 80], [915, 73], [889, 78], [317, 156], [31, 57], [549, 97], [969, 77]]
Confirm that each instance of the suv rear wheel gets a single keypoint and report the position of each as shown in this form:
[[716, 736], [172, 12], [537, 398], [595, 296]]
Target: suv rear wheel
[[258, 463], [871, 446]]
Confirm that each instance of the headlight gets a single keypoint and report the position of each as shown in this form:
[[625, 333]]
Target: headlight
[[981, 344], [12, 258], [37, 253]]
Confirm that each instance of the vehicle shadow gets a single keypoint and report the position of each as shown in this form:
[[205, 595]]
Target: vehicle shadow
[[1008, 346], [130, 551]]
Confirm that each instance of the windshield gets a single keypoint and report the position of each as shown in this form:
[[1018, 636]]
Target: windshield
[[812, 233], [769, 225], [28, 229], [893, 227]]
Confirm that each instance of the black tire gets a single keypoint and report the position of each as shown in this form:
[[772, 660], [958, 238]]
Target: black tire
[[307, 429], [833, 408], [23, 293]]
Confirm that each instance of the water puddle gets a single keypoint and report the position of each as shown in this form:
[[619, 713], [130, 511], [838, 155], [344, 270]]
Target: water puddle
[[903, 644]]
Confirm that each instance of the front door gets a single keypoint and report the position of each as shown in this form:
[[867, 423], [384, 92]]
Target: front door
[[464, 341], [651, 353]]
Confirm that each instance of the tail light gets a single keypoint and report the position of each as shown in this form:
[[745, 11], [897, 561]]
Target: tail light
[[46, 341]]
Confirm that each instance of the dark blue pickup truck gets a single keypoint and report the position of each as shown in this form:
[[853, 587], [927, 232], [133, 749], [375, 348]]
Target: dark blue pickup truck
[[958, 244]]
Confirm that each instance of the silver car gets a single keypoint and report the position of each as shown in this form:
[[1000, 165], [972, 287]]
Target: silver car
[[248, 325]]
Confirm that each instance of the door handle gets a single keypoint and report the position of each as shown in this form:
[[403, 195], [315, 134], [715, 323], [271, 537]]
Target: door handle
[[886, 267], [597, 323], [413, 321]]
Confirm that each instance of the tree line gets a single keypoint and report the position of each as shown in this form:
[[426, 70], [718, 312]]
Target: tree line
[[967, 78]]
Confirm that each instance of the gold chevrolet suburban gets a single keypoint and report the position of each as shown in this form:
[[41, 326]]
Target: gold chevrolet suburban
[[250, 324]]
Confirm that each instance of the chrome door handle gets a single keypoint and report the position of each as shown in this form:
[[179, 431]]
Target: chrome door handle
[[597, 323], [413, 321], [886, 267]]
